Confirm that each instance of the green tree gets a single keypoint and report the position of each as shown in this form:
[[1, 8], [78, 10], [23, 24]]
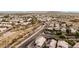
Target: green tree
[[77, 34]]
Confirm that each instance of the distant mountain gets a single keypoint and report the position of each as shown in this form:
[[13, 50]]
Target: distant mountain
[[49, 12]]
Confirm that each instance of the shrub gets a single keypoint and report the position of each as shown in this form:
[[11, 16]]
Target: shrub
[[68, 31], [71, 42], [62, 36]]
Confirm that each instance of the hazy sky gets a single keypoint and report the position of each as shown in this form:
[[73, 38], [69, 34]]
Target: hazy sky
[[39, 5]]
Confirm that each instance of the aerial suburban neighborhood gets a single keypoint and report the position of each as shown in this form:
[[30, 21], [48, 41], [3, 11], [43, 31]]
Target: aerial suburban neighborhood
[[50, 29]]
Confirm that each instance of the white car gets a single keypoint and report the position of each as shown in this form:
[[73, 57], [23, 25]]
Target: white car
[[52, 43], [40, 41], [62, 44]]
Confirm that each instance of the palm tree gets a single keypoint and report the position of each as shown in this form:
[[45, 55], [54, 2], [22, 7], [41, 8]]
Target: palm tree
[[34, 20]]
